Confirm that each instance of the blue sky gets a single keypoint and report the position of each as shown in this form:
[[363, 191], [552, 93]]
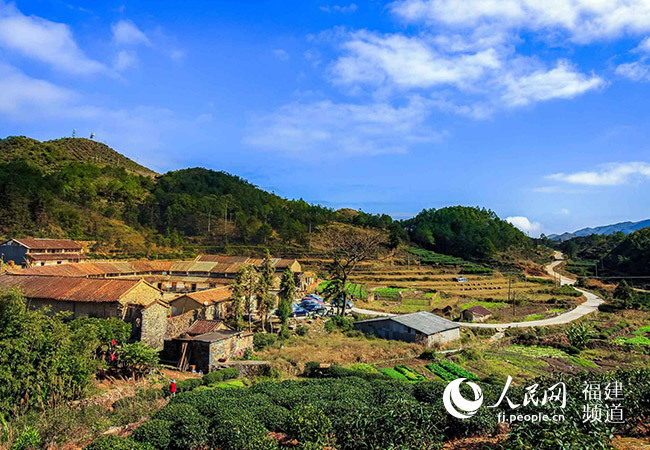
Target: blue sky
[[537, 110]]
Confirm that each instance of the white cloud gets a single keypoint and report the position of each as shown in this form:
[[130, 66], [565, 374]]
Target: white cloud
[[281, 54], [563, 81], [635, 71], [24, 97], [580, 20], [44, 41], [525, 225], [407, 62], [126, 32], [609, 175], [352, 7], [125, 59], [325, 129]]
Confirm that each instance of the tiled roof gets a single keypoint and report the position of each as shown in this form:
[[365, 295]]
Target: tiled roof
[[220, 265], [46, 244], [209, 296], [70, 288], [479, 310], [54, 256], [206, 326]]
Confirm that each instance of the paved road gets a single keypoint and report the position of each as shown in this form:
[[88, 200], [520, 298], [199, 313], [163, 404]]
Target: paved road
[[589, 306]]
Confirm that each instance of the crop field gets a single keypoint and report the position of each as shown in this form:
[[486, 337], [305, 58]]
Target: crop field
[[403, 289]]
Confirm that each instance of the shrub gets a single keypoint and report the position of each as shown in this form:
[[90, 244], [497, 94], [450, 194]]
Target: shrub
[[113, 442], [302, 330], [217, 376], [240, 431], [188, 385], [429, 355], [339, 323], [174, 410], [273, 417], [307, 423], [155, 432], [578, 335], [263, 340]]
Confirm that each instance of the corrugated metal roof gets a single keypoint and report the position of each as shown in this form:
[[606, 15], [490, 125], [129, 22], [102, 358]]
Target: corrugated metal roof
[[423, 322], [70, 288], [47, 244]]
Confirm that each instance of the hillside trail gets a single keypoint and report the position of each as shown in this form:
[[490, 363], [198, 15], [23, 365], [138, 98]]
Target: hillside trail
[[587, 307]]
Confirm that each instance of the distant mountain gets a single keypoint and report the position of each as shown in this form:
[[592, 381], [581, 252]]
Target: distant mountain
[[625, 227]]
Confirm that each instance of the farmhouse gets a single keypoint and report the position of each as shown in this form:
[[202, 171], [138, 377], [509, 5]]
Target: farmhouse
[[420, 327], [476, 313], [31, 252], [210, 303], [205, 345], [133, 301]]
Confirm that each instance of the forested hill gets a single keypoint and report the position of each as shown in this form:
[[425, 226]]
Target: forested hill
[[81, 189], [463, 231], [50, 155]]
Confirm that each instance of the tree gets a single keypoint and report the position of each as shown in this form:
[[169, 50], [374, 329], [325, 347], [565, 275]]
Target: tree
[[263, 289], [138, 358], [43, 362], [287, 294], [346, 247], [625, 293], [243, 290]]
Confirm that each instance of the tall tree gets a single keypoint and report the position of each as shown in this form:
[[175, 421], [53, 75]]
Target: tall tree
[[346, 247], [265, 300], [287, 294], [243, 290]]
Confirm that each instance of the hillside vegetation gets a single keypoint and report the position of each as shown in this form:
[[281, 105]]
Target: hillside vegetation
[[51, 155], [475, 233], [81, 189]]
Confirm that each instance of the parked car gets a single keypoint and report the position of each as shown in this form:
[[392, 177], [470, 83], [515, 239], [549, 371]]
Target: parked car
[[314, 296], [348, 304], [312, 306], [299, 312], [310, 302]]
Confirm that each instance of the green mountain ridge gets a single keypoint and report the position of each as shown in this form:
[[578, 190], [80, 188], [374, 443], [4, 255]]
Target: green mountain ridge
[[81, 189]]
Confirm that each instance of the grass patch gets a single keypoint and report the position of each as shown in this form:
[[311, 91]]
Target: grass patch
[[533, 317], [392, 373], [487, 305]]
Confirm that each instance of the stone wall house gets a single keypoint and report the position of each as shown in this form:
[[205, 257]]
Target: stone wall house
[[210, 304], [206, 344], [476, 313], [420, 327], [133, 301]]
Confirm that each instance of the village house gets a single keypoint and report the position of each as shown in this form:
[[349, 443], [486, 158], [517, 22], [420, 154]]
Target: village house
[[33, 252], [420, 327], [210, 304], [133, 301], [206, 344], [476, 313]]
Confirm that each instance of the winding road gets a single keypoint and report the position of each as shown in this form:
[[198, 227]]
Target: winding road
[[589, 306]]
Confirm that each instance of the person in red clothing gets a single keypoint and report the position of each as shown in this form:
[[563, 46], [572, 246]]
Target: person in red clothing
[[172, 388]]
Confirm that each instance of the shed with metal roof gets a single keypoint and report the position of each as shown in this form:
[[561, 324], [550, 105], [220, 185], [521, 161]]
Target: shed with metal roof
[[419, 327]]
